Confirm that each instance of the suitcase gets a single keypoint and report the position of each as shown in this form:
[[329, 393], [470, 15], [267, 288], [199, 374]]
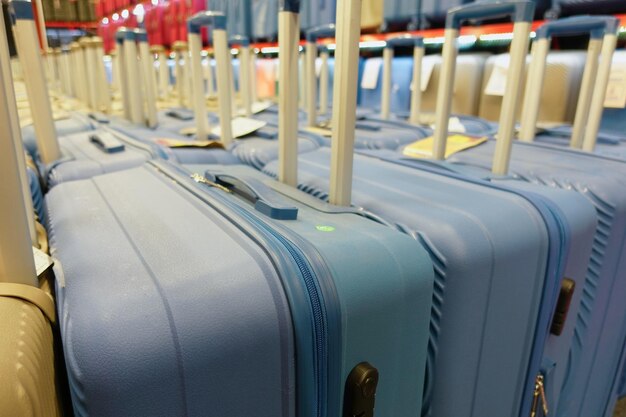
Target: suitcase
[[371, 14], [588, 388], [84, 10], [48, 10], [317, 13], [402, 14], [265, 23], [155, 24], [577, 7], [392, 192], [228, 320]]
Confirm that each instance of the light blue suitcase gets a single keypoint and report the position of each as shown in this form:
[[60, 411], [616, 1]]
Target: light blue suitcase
[[402, 14], [441, 211], [590, 384]]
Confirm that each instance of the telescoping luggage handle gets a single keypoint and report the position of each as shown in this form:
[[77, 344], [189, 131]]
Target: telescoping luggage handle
[[27, 45], [148, 77], [312, 37], [245, 82], [16, 256], [217, 21], [417, 42], [130, 71], [522, 14], [600, 30], [120, 35]]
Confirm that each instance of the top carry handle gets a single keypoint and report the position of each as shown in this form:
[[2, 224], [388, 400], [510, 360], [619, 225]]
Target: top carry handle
[[598, 28], [220, 43], [16, 256], [312, 36], [28, 49], [522, 14], [417, 42]]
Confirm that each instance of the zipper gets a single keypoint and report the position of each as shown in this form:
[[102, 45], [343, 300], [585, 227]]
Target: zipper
[[539, 397], [311, 283]]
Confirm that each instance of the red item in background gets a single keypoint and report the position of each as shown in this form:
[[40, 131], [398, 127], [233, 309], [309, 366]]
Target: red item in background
[[154, 22]]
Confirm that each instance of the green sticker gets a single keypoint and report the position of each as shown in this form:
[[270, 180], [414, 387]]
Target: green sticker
[[325, 228]]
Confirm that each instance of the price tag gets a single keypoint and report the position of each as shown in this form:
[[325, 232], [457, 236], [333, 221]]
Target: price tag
[[241, 126], [371, 73], [496, 85], [427, 71], [616, 89], [423, 148]]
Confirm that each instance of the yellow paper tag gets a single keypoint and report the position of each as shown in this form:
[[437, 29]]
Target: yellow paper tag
[[423, 148], [177, 143], [322, 131], [616, 88]]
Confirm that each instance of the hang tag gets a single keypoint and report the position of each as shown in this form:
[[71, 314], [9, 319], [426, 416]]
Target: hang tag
[[318, 67], [616, 89], [423, 148], [371, 73], [496, 85], [241, 126], [43, 262], [257, 107], [178, 143], [428, 65]]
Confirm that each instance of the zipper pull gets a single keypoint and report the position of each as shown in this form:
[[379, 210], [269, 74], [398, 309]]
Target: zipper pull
[[202, 180], [539, 395]]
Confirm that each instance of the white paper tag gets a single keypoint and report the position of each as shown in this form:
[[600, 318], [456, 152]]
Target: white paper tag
[[371, 73], [318, 67], [454, 124], [43, 262], [616, 89], [241, 126], [496, 85], [427, 72]]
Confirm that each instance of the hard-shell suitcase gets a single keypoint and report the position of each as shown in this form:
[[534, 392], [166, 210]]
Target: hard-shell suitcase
[[402, 14], [273, 304], [265, 23], [577, 7], [316, 13], [423, 204]]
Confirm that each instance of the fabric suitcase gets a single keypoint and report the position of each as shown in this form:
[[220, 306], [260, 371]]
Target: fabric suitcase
[[402, 14]]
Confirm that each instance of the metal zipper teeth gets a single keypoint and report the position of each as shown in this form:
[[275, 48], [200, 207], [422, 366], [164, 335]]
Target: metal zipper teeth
[[319, 318]]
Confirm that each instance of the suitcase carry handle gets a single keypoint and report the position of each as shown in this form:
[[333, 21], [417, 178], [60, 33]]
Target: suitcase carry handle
[[149, 77], [598, 27], [288, 39], [16, 238], [245, 85], [522, 14], [264, 198], [311, 50], [27, 45], [195, 23], [417, 42]]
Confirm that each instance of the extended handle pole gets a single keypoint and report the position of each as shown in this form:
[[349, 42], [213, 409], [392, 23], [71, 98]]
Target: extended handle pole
[[324, 55], [344, 101], [122, 72], [311, 82], [416, 94], [135, 99], [253, 82], [222, 56], [104, 95], [288, 37], [34, 78], [16, 256], [148, 78], [194, 39], [586, 93], [92, 74], [164, 73]]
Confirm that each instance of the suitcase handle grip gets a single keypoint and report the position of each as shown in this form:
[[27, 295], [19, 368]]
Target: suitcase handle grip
[[323, 31], [595, 26], [140, 35], [120, 34], [405, 40], [264, 198], [208, 18], [519, 11]]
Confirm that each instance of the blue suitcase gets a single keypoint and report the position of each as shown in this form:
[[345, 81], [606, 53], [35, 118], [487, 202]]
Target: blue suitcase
[[589, 388], [265, 23], [441, 211], [402, 14]]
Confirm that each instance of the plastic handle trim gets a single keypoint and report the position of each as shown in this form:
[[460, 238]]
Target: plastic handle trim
[[405, 40], [210, 18], [323, 31], [292, 6], [264, 198], [23, 10], [519, 11], [141, 35], [596, 26], [240, 40]]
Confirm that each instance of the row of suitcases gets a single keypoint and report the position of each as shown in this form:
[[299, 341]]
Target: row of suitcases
[[69, 10], [414, 289]]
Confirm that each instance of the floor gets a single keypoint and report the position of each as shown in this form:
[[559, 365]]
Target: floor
[[620, 409]]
